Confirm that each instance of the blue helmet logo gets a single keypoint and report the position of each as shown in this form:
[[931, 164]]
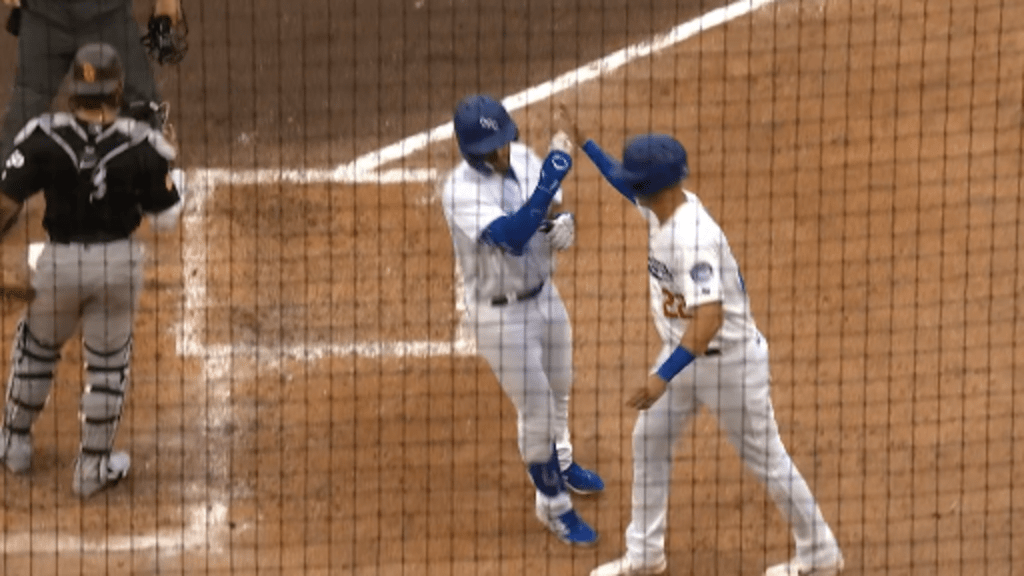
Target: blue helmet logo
[[652, 162], [482, 125]]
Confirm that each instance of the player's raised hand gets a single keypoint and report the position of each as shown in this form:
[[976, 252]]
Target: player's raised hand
[[560, 141], [645, 397], [565, 121]]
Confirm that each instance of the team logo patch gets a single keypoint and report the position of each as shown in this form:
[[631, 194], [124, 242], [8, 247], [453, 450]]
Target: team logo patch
[[701, 272], [658, 269], [489, 123], [15, 160]]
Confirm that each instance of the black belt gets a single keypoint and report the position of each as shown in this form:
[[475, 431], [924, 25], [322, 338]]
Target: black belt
[[517, 296], [91, 238], [713, 352]]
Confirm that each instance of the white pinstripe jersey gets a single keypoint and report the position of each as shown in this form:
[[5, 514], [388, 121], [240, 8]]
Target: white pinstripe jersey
[[689, 264], [471, 202]]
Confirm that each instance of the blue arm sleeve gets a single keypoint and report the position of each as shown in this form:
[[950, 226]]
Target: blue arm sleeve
[[513, 232], [606, 165]]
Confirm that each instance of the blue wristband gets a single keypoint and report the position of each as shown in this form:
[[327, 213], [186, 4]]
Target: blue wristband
[[679, 358]]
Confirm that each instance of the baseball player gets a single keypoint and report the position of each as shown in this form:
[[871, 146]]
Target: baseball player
[[51, 31], [99, 174], [713, 356], [498, 204]]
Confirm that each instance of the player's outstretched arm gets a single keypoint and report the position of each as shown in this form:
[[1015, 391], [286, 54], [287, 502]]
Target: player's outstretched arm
[[604, 162], [608, 166], [513, 232]]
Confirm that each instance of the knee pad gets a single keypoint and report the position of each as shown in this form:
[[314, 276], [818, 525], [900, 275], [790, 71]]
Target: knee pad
[[103, 399], [32, 366]]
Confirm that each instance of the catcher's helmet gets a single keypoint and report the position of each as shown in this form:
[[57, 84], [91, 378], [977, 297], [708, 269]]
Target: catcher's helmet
[[97, 72], [482, 125], [652, 162]]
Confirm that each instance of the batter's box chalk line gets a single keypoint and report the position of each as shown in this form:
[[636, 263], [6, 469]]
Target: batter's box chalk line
[[199, 185], [207, 529]]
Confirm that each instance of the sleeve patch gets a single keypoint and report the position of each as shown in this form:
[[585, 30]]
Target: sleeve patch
[[15, 160], [701, 272]]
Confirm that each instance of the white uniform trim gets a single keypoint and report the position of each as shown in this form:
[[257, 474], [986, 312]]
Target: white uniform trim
[[29, 128], [139, 132], [47, 123]]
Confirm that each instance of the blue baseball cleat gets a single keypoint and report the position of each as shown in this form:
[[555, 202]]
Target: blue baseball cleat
[[582, 481], [570, 528]]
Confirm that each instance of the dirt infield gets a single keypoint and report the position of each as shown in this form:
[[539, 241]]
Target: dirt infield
[[303, 401]]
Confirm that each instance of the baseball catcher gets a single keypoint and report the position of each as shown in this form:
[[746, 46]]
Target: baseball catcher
[[100, 173]]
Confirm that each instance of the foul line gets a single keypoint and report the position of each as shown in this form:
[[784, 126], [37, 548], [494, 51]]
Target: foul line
[[368, 164]]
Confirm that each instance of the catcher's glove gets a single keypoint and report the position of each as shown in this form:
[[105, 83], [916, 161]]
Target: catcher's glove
[[167, 44]]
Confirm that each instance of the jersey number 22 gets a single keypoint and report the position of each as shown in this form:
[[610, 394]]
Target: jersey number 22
[[674, 305]]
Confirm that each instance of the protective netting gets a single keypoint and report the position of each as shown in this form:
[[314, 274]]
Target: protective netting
[[305, 396]]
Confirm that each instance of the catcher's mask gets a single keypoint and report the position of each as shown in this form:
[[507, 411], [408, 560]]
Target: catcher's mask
[[482, 125], [97, 77], [652, 162]]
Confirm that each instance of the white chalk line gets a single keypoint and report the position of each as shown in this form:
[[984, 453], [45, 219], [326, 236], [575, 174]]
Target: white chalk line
[[207, 524], [370, 163], [190, 341], [205, 529]]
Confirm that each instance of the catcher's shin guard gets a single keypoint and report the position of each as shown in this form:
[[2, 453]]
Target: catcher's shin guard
[[106, 385], [32, 365]]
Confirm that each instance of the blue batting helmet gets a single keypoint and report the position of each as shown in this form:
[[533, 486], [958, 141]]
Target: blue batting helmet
[[652, 162], [482, 125]]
